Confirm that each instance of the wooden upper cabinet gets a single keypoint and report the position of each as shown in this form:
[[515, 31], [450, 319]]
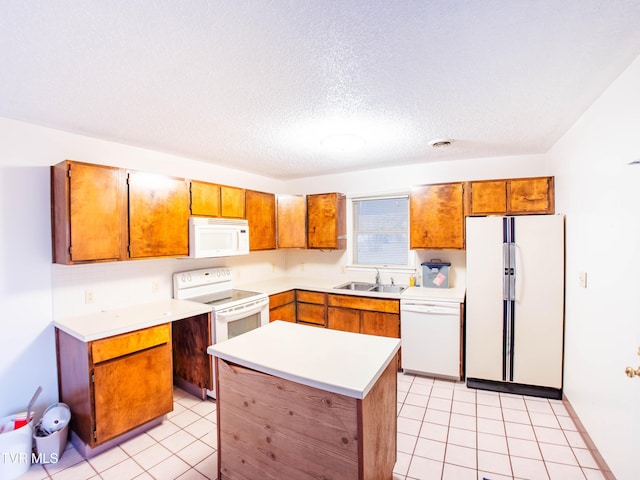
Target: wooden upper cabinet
[[436, 216], [515, 196], [205, 199], [530, 195], [158, 216], [291, 221], [88, 213], [487, 197], [261, 215], [232, 202], [326, 221]]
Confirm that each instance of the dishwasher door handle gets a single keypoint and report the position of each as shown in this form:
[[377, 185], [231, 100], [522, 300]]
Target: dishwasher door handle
[[430, 309]]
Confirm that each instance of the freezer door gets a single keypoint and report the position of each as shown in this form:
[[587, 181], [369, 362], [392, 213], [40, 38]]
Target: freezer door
[[539, 300], [484, 308]]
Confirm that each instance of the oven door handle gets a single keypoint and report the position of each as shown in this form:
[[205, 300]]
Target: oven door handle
[[244, 311]]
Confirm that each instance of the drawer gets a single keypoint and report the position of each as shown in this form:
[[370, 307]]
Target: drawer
[[364, 303], [120, 345], [310, 313], [279, 299], [311, 297]]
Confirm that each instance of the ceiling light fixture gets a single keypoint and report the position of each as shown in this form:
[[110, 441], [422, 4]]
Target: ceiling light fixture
[[343, 142], [440, 143]]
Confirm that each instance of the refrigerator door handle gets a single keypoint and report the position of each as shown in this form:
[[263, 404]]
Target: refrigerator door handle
[[507, 276], [512, 271]]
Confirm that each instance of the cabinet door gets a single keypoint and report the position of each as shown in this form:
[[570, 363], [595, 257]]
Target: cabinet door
[[158, 216], [261, 215], [286, 313], [291, 221], [231, 202], [488, 197], [383, 324], [436, 216], [326, 221], [88, 212], [311, 313], [132, 390], [530, 195], [190, 339], [205, 199], [345, 319]]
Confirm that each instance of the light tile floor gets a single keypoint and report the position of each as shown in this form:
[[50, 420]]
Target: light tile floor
[[445, 431]]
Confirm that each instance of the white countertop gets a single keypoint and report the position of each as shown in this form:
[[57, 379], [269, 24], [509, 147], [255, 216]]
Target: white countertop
[[104, 324], [279, 284], [332, 360]]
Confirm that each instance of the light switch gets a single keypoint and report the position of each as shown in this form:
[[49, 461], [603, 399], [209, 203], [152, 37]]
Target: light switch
[[582, 278]]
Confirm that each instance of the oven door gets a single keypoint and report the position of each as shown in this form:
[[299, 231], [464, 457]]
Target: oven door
[[241, 319], [235, 321]]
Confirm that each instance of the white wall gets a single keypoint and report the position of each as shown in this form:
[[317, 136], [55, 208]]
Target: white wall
[[32, 290], [600, 195]]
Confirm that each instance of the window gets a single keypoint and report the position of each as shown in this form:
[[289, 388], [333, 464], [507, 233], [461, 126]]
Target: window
[[381, 231]]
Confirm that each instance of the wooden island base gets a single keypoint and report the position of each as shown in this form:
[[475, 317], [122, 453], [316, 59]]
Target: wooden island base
[[273, 428]]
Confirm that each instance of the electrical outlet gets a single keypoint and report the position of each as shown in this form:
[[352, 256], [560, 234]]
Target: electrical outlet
[[273, 268], [302, 267], [89, 296], [155, 286], [582, 278]]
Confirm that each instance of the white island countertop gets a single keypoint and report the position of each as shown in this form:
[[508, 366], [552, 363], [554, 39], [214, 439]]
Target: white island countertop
[[94, 326], [332, 360]]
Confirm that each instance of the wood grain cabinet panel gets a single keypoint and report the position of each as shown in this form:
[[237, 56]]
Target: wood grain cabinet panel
[[205, 198], [158, 216], [116, 384], [488, 197], [311, 307], [530, 195], [511, 196], [291, 221], [345, 319], [192, 365], [326, 221], [436, 216], [270, 427], [88, 213], [282, 306], [232, 202], [261, 215]]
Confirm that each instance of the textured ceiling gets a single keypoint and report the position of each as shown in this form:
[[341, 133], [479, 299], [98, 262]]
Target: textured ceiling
[[257, 85]]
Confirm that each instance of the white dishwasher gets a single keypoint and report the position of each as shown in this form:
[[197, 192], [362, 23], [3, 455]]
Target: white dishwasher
[[431, 338]]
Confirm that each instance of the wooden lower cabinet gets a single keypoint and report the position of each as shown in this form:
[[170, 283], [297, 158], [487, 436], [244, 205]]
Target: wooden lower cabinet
[[371, 316], [311, 307], [192, 365], [282, 306], [270, 427], [116, 384]]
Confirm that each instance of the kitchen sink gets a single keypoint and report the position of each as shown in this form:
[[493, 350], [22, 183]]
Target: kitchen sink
[[388, 288], [372, 287], [360, 286]]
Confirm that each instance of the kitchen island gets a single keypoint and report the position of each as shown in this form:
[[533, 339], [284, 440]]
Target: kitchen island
[[300, 402]]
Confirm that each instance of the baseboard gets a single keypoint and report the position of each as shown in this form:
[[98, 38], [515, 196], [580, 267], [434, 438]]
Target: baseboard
[[516, 388], [602, 465]]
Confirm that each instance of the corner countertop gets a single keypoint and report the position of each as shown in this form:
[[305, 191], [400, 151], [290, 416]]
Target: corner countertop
[[280, 284], [340, 362], [94, 326]]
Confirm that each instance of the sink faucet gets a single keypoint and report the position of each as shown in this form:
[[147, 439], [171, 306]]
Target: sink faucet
[[377, 277], [392, 282]]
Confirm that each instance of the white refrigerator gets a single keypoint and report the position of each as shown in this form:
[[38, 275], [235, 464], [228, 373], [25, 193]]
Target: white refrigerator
[[515, 304]]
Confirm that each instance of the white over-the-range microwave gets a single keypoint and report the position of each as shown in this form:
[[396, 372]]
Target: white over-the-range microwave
[[217, 237]]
